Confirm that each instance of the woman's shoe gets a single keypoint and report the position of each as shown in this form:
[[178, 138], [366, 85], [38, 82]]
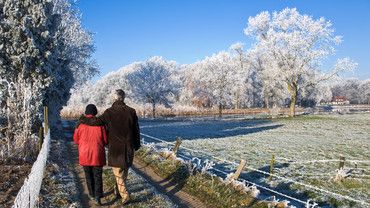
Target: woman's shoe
[[91, 198], [97, 201]]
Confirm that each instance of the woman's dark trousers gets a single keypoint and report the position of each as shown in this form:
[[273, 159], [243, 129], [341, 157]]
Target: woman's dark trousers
[[94, 181]]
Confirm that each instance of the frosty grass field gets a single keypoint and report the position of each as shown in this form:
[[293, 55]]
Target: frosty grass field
[[306, 149]]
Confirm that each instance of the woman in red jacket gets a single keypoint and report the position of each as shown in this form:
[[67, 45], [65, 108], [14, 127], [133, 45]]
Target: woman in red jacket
[[91, 139]]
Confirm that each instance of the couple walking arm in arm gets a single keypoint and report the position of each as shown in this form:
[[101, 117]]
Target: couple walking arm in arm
[[123, 138]]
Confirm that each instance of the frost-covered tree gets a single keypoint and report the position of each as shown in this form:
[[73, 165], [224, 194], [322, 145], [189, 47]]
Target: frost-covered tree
[[27, 45], [295, 45], [224, 80], [99, 92], [269, 86], [186, 93], [193, 91], [356, 91], [311, 95], [242, 85], [74, 50], [217, 75], [153, 82], [43, 52], [365, 92]]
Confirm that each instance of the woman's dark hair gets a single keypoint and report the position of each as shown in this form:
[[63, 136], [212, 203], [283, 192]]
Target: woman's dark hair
[[91, 110]]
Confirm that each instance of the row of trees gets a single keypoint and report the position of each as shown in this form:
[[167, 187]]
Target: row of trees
[[356, 91], [44, 52], [283, 65]]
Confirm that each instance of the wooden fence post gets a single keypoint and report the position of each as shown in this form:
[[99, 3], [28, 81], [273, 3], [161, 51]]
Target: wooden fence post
[[239, 169], [341, 162], [177, 145], [46, 119], [272, 162], [41, 137]]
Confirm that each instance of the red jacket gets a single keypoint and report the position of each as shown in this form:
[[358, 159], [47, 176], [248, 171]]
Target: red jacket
[[91, 141]]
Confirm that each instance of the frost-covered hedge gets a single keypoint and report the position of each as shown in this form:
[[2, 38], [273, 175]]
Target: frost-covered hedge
[[44, 51]]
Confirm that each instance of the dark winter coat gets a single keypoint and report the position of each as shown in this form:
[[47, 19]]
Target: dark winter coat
[[91, 140], [123, 134]]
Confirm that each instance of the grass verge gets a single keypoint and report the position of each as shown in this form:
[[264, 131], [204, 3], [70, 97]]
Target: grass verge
[[211, 190]]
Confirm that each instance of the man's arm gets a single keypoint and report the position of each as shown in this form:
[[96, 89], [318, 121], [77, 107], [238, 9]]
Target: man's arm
[[136, 129], [104, 134], [104, 118]]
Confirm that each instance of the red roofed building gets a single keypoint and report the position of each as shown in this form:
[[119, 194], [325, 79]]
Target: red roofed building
[[340, 100]]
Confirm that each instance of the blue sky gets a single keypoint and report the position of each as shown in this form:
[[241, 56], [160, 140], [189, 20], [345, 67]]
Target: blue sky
[[188, 30]]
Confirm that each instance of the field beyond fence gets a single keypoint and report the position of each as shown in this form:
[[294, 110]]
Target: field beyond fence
[[298, 158]]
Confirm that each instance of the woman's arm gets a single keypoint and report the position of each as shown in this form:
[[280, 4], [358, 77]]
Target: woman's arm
[[76, 136]]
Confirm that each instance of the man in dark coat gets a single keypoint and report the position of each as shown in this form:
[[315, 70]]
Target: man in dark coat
[[123, 139]]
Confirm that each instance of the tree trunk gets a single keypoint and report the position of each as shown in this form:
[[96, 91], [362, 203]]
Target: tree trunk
[[153, 109], [266, 102], [293, 90], [219, 110], [293, 99], [237, 106], [265, 98]]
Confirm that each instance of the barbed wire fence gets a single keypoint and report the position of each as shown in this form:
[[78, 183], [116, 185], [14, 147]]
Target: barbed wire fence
[[308, 204], [28, 194]]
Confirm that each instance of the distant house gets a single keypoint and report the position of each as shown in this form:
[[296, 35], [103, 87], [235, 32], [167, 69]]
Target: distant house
[[337, 100], [201, 101], [340, 100]]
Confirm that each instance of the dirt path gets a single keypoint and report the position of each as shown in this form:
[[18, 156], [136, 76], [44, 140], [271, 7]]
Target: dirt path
[[83, 192], [77, 169], [142, 193], [146, 188]]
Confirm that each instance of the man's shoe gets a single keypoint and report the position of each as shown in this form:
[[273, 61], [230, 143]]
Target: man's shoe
[[116, 192], [125, 199]]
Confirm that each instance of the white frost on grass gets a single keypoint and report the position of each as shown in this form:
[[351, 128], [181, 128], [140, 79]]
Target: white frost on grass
[[301, 139]]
